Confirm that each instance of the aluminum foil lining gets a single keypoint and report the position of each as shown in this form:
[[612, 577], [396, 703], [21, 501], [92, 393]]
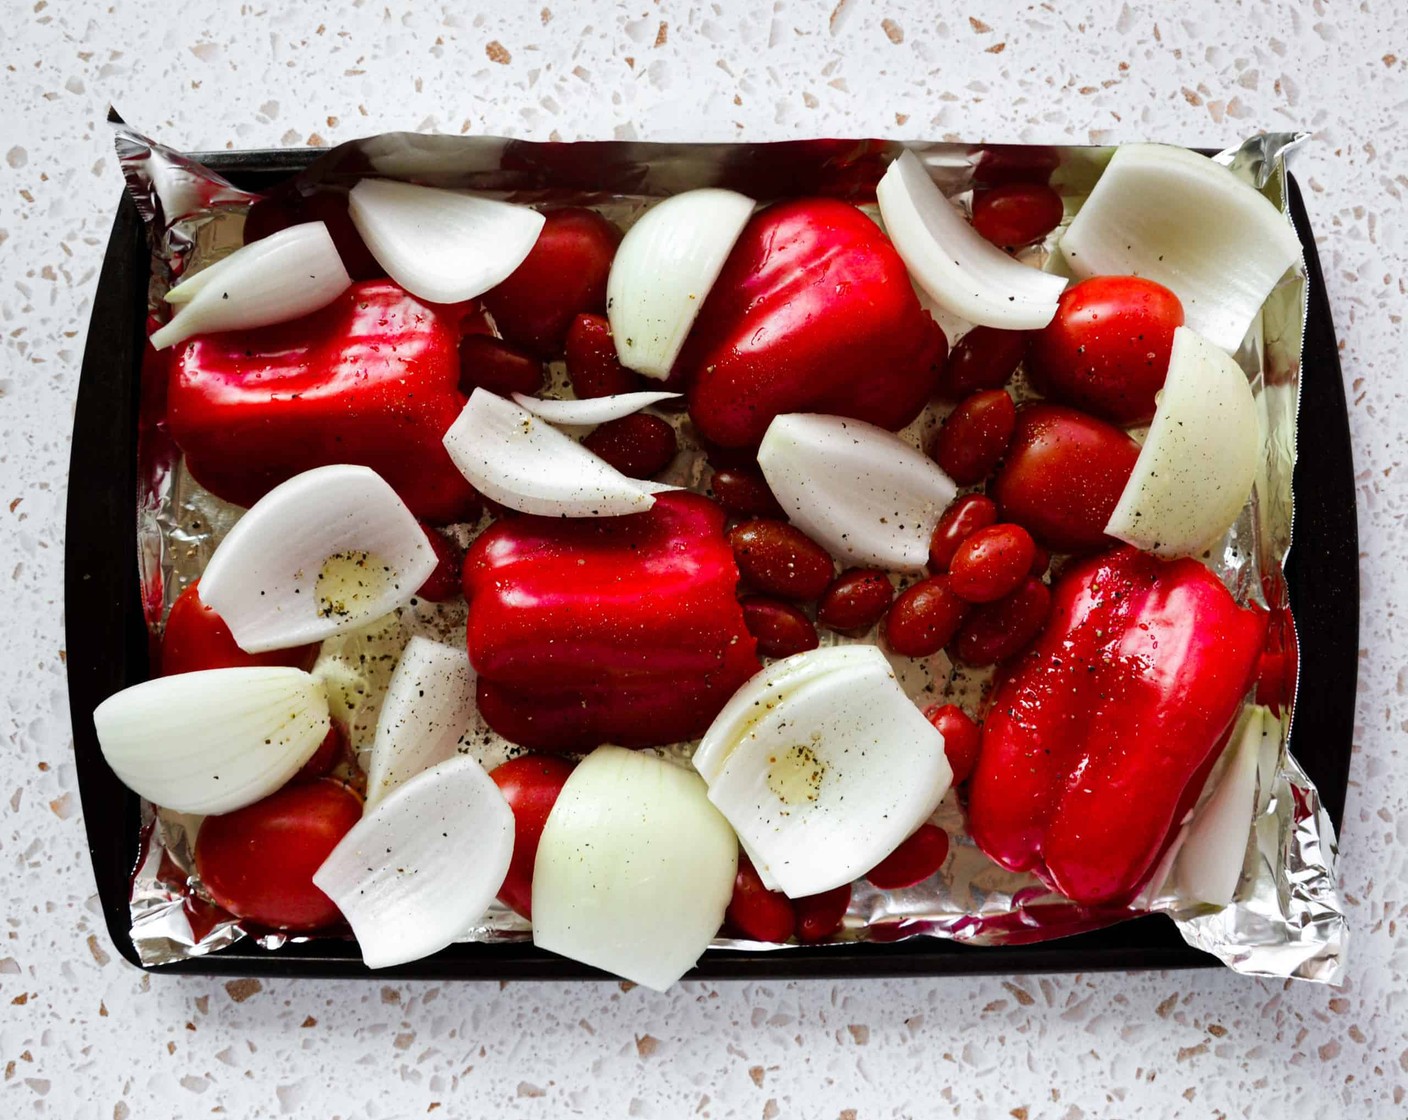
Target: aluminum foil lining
[[1286, 919]]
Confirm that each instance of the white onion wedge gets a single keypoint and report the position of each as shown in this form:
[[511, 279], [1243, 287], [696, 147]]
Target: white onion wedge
[[523, 462], [428, 712], [663, 271], [960, 270], [863, 492], [832, 777], [424, 863], [324, 553], [285, 276], [1188, 223], [1200, 458], [592, 410], [441, 245], [212, 741], [634, 869], [1215, 848]]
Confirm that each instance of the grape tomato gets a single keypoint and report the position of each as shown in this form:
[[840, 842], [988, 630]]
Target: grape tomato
[[780, 559], [991, 563]]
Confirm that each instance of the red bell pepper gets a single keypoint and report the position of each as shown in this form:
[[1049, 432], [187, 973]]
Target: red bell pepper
[[1099, 739], [370, 379], [813, 312], [620, 629]]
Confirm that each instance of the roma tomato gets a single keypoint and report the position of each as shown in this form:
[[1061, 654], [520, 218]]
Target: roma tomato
[[924, 618], [1106, 351], [962, 737], [530, 784], [563, 276], [1016, 214], [779, 628], [997, 632], [592, 365], [444, 582], [819, 916], [639, 445], [258, 862], [970, 443], [984, 358], [856, 600], [197, 638], [991, 563], [500, 367], [1063, 475], [919, 855], [963, 517], [744, 492], [754, 911], [780, 559]]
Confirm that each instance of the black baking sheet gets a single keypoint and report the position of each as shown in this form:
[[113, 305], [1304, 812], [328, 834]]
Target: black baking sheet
[[107, 650]]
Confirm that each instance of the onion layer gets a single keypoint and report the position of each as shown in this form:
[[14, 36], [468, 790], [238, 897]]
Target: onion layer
[[634, 869], [212, 741], [592, 410]]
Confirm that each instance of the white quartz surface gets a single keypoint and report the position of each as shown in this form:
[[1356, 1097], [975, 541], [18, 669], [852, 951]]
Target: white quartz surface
[[84, 1034]]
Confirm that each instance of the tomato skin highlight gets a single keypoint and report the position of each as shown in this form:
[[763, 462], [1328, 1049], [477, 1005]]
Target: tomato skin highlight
[[530, 784], [964, 516], [924, 618], [196, 638], [919, 855], [1016, 214], [997, 632], [780, 628], [1063, 476], [258, 862], [984, 358], [856, 600], [754, 911], [973, 437], [779, 559], [744, 493], [563, 276], [991, 563], [1107, 349], [639, 445], [962, 738]]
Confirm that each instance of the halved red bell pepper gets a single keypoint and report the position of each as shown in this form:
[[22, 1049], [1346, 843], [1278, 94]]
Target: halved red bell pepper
[[624, 630], [813, 312], [371, 379], [1097, 742]]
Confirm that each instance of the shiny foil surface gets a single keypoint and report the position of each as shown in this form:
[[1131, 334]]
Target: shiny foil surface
[[1286, 919]]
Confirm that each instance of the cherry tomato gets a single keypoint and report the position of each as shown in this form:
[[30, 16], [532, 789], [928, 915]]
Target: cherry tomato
[[963, 517], [780, 628], [500, 367], [444, 582], [1015, 163], [919, 855], [530, 784], [780, 559], [197, 638], [744, 493], [856, 600], [329, 751], [1063, 474], [563, 276], [754, 911], [1107, 349], [973, 437], [592, 363], [1016, 214], [258, 862], [962, 737], [924, 618], [996, 632], [984, 358], [820, 916], [288, 208], [991, 563], [639, 445]]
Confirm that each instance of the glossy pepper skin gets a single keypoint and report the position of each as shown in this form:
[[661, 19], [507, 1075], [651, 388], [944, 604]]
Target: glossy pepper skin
[[370, 379], [1098, 740], [813, 312], [620, 630]]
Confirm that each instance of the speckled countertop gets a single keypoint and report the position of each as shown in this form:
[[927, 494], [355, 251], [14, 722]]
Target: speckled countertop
[[83, 1034]]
